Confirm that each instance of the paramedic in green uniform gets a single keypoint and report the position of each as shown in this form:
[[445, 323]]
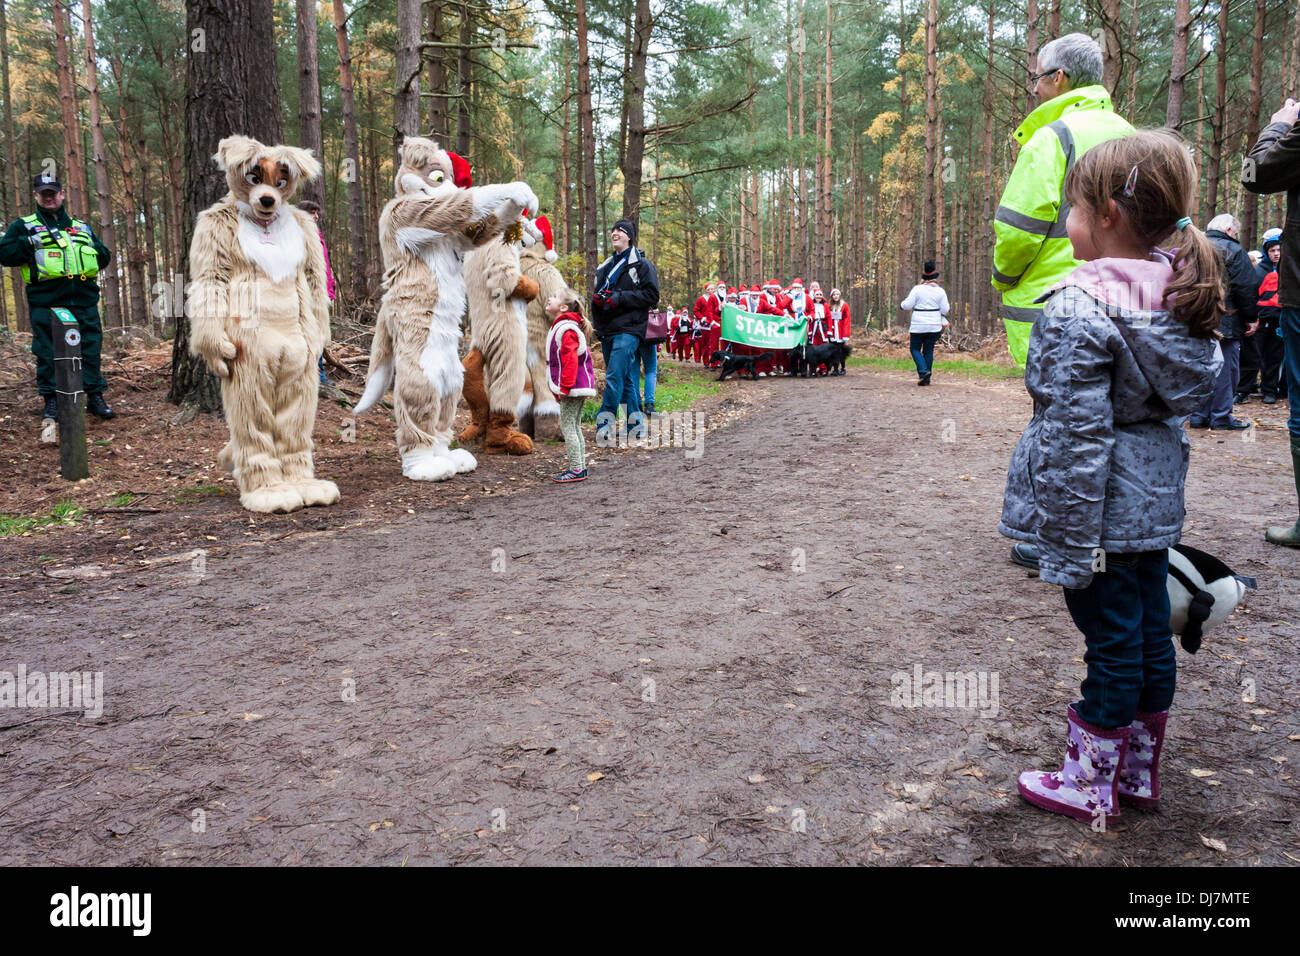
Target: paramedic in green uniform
[[60, 257]]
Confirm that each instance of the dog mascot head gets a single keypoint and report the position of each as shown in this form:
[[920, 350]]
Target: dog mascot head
[[423, 166], [262, 178], [1203, 591]]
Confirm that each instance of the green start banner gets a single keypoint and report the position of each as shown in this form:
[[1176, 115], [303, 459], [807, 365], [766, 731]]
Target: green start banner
[[762, 331]]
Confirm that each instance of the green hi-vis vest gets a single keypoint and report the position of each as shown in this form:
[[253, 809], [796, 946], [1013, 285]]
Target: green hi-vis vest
[[63, 253]]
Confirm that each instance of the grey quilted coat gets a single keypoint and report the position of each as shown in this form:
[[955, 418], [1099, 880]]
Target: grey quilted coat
[[1102, 462]]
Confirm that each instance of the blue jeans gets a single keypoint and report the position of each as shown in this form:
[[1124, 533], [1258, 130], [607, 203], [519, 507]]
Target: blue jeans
[[923, 351], [647, 354], [620, 352], [1291, 366], [1124, 617], [1217, 409]]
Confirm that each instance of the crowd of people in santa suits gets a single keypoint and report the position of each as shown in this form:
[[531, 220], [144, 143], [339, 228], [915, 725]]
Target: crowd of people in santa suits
[[695, 335]]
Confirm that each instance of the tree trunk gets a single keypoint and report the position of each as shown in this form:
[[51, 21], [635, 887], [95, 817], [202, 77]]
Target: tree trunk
[[108, 279], [132, 257], [1220, 90], [1031, 35], [1055, 20], [564, 238], [984, 267], [439, 105], [11, 155], [232, 85], [463, 79], [828, 213], [72, 176], [802, 227], [309, 129], [352, 164], [932, 116], [635, 151], [1178, 65], [406, 88], [588, 147], [1250, 201], [1110, 47]]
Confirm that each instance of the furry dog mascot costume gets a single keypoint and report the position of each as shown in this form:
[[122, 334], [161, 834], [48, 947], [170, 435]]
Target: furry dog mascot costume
[[435, 218], [259, 318], [495, 368], [538, 405]]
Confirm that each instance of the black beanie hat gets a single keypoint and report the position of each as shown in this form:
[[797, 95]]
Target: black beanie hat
[[930, 272], [628, 228]]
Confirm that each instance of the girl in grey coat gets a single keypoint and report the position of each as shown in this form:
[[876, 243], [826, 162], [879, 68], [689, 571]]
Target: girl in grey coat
[[1126, 347]]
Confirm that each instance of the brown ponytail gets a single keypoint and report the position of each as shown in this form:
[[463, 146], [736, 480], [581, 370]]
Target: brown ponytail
[[1152, 201]]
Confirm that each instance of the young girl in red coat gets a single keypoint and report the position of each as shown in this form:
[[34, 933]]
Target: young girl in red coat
[[572, 378]]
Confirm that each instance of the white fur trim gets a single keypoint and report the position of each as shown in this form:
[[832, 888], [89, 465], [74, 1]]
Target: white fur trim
[[524, 404], [506, 200], [280, 257], [551, 255], [547, 408], [531, 358], [440, 360], [413, 184], [378, 382], [425, 464]]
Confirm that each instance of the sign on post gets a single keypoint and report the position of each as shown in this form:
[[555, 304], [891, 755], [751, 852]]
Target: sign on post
[[66, 332]]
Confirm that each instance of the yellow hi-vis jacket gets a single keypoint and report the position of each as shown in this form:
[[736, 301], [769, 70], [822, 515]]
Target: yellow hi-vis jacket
[[1032, 251]]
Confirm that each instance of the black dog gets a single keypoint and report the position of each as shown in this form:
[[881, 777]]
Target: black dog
[[806, 358], [738, 363]]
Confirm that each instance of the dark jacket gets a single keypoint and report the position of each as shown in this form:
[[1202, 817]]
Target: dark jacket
[[16, 250], [635, 291], [1272, 166], [1240, 285]]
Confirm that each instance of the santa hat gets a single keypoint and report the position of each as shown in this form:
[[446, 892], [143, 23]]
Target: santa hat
[[755, 288], [834, 293], [731, 291], [460, 171], [771, 284], [814, 286], [544, 226], [796, 284]]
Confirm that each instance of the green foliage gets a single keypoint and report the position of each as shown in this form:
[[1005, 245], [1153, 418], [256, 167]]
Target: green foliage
[[64, 513]]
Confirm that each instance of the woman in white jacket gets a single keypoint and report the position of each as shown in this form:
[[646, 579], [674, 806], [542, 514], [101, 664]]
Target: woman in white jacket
[[929, 306]]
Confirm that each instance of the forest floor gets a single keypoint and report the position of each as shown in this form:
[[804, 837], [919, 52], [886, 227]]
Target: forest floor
[[692, 657]]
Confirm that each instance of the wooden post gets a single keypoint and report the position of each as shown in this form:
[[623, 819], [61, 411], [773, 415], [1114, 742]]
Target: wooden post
[[66, 334]]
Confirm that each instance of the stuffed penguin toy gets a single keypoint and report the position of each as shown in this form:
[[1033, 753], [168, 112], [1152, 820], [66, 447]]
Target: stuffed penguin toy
[[1203, 591]]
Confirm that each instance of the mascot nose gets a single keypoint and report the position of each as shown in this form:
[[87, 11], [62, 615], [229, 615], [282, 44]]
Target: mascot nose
[[267, 201]]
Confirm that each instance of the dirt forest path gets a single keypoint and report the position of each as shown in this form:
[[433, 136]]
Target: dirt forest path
[[683, 660]]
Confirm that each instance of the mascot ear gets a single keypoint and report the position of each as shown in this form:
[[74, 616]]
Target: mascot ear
[[301, 162], [235, 151]]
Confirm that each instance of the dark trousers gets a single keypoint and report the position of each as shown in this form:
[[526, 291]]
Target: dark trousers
[[923, 351], [1291, 367], [1218, 407], [92, 340], [1261, 360], [1124, 617]]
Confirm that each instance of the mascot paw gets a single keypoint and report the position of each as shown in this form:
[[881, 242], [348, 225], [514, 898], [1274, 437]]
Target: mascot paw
[[226, 460], [546, 428], [315, 491], [516, 443], [471, 433], [271, 499], [462, 459], [426, 465]]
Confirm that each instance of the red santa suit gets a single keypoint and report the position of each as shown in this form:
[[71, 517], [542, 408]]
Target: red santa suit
[[771, 302], [841, 323], [713, 340], [682, 327], [703, 309], [819, 320]]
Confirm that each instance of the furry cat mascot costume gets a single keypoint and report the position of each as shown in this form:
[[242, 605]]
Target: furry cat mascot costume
[[259, 318], [424, 231], [538, 406]]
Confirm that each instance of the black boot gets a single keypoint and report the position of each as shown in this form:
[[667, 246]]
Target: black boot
[[649, 409], [51, 409], [95, 405]]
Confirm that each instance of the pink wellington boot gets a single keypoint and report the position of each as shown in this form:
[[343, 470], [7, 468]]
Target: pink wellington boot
[[1084, 787], [1139, 781]]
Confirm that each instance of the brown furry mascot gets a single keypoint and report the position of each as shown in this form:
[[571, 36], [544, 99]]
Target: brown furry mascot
[[538, 405], [259, 318], [495, 367], [424, 231]]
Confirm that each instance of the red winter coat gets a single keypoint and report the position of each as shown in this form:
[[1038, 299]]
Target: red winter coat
[[842, 326]]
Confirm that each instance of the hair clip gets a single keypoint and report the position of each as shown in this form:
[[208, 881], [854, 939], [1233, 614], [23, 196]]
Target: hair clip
[[1183, 223], [1131, 182]]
